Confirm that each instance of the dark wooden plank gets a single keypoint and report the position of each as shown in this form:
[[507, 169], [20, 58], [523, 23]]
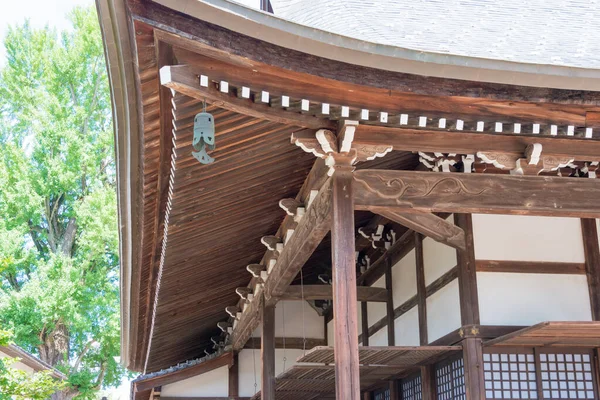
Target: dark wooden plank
[[267, 352], [325, 292], [364, 319], [428, 224], [463, 142], [311, 229], [347, 381], [408, 191], [234, 378], [185, 373], [591, 249], [181, 79], [391, 331], [428, 383], [421, 289], [530, 267]]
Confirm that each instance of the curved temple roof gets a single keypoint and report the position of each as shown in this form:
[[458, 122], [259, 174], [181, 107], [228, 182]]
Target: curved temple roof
[[547, 32], [218, 213]]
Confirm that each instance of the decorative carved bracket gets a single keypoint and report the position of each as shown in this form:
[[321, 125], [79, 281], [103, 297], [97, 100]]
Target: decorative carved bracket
[[532, 162], [340, 150]]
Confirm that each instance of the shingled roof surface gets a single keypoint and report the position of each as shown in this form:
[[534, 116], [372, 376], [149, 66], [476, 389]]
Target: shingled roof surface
[[549, 32]]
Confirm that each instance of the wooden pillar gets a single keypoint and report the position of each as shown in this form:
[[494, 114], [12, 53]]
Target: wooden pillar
[[469, 311], [591, 249], [347, 380], [394, 390], [234, 379], [421, 289], [364, 319], [428, 383], [391, 333], [267, 352]]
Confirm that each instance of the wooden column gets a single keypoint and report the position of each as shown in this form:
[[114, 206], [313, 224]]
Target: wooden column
[[234, 379], [267, 352], [391, 333], [591, 249], [347, 379], [421, 289], [469, 311], [428, 383], [364, 319]]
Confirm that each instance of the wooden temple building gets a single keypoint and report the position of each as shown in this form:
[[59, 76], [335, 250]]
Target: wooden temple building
[[379, 222]]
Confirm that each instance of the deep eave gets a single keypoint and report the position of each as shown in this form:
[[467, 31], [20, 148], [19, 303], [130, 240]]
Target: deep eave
[[142, 36]]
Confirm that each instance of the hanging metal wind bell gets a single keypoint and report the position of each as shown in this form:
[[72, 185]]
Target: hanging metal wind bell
[[204, 136]]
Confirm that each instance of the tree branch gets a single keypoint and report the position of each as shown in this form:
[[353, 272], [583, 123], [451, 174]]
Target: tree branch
[[86, 348]]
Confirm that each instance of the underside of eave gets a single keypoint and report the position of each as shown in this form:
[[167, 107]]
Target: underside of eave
[[142, 190]]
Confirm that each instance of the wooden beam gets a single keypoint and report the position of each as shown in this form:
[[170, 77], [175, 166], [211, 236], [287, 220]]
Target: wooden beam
[[408, 191], [403, 245], [311, 229], [467, 274], [428, 224], [325, 292], [469, 310], [234, 378], [391, 331], [530, 267], [184, 373], [347, 381], [291, 343], [364, 319], [421, 289], [267, 352], [181, 79], [463, 142], [591, 249]]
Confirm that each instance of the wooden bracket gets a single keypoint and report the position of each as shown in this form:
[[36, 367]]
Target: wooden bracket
[[340, 150]]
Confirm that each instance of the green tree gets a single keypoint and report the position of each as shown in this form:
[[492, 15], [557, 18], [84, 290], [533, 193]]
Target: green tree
[[59, 248], [20, 385]]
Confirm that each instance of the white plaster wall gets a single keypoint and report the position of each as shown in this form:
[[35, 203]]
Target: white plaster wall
[[247, 370], [598, 228], [404, 279], [214, 383], [330, 333], [527, 299], [443, 311], [406, 328], [527, 238], [18, 365], [289, 319], [437, 259], [379, 338], [376, 311]]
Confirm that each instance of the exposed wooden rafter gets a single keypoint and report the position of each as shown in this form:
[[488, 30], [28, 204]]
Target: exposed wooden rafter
[[181, 79], [408, 191]]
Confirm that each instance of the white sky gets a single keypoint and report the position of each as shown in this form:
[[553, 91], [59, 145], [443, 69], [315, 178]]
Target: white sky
[[39, 12]]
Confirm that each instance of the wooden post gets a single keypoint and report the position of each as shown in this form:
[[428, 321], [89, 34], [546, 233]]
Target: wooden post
[[267, 352], [364, 319], [469, 311], [234, 380], [421, 290], [592, 263], [428, 383], [391, 333], [394, 390], [345, 326]]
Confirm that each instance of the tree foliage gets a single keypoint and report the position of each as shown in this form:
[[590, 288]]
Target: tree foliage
[[16, 384], [59, 249]]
